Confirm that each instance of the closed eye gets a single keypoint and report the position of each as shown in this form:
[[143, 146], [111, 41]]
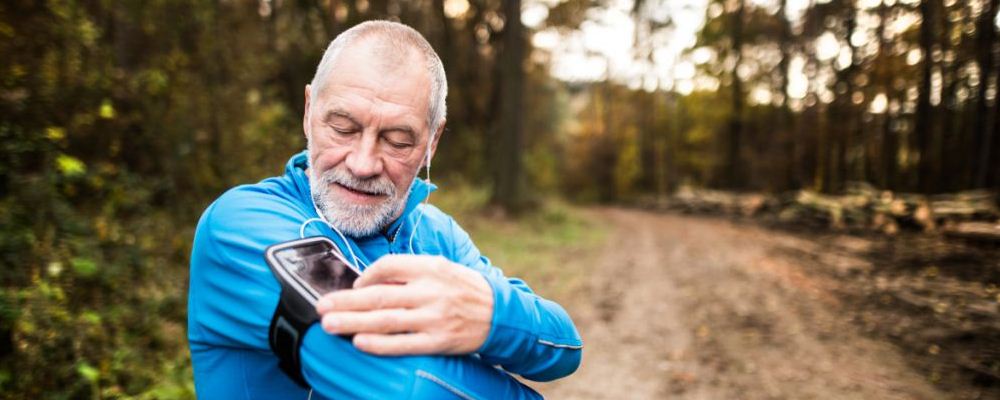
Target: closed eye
[[343, 130], [398, 145], [398, 138], [341, 122]]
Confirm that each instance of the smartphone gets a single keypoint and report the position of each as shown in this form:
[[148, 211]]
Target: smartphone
[[312, 267]]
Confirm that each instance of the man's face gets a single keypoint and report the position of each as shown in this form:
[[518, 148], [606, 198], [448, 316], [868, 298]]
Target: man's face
[[368, 136]]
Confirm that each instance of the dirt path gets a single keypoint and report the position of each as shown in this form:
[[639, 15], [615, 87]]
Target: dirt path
[[695, 308]]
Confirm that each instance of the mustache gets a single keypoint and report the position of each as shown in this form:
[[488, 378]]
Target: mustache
[[379, 185]]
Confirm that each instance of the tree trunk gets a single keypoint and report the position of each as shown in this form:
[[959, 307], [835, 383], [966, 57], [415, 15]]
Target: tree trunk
[[666, 146], [648, 138], [883, 171], [507, 171], [925, 118], [985, 42], [445, 36], [792, 177], [995, 180], [733, 177], [851, 167]]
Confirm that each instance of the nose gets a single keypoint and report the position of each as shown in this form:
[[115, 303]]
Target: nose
[[363, 161]]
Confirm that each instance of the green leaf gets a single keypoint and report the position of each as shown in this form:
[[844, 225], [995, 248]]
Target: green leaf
[[88, 372], [70, 166], [107, 109], [84, 267], [55, 133], [91, 317]]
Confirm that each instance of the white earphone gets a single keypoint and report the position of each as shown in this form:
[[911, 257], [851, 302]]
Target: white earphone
[[427, 200], [413, 232]]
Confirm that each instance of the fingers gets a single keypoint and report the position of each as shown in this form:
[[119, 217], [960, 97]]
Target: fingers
[[410, 305], [396, 268], [380, 321], [370, 298], [399, 344]]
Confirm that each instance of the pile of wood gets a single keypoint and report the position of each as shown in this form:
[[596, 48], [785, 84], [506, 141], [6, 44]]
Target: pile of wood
[[970, 215], [707, 201]]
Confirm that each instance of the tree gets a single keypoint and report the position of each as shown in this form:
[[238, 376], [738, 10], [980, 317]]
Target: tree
[[733, 173], [507, 172], [925, 115], [986, 38]]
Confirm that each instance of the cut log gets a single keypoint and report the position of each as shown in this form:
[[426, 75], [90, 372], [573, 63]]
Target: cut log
[[977, 231], [861, 207], [976, 205]]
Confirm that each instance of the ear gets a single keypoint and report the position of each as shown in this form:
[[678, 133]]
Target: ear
[[437, 139], [305, 113]]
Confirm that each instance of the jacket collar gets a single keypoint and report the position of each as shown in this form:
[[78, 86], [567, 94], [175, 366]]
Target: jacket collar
[[296, 170]]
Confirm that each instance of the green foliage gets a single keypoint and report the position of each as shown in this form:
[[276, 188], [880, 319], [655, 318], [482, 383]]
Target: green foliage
[[118, 127], [627, 167]]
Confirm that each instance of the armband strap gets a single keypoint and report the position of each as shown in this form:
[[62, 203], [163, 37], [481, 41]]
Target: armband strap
[[289, 325]]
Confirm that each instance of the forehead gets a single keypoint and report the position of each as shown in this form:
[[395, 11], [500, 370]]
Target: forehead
[[370, 83]]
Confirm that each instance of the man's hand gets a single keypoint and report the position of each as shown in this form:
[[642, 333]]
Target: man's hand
[[409, 304]]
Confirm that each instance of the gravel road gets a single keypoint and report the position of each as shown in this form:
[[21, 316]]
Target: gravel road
[[699, 308]]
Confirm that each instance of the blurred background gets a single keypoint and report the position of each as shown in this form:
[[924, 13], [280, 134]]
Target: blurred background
[[739, 198]]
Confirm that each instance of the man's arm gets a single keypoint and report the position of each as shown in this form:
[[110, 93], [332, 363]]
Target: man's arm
[[530, 336], [337, 369], [234, 294], [458, 304]]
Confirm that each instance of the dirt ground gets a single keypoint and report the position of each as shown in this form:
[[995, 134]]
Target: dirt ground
[[703, 308]]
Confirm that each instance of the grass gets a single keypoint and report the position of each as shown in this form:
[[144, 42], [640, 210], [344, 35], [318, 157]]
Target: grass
[[545, 247]]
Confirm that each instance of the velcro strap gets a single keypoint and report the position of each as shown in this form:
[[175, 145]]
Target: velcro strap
[[289, 325]]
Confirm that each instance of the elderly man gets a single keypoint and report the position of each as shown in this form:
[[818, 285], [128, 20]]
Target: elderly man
[[429, 317]]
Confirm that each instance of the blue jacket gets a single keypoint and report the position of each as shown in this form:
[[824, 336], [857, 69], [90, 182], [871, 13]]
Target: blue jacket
[[233, 295]]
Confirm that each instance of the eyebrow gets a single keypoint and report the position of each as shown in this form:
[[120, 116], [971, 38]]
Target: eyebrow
[[342, 114], [338, 112], [401, 128]]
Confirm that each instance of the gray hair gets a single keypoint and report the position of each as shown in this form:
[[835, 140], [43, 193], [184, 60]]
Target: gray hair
[[396, 39]]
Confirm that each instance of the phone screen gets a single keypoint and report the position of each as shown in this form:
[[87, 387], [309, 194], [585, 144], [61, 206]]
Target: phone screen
[[318, 266]]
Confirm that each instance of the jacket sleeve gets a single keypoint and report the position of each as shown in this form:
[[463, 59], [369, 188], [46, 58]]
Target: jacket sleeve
[[530, 336], [234, 294]]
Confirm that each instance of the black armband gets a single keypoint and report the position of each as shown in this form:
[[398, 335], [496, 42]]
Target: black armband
[[306, 269], [289, 325]]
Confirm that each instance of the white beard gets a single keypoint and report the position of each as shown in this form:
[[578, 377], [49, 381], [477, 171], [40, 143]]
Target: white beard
[[351, 219]]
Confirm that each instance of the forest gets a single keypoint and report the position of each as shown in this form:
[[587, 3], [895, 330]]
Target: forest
[[121, 120]]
